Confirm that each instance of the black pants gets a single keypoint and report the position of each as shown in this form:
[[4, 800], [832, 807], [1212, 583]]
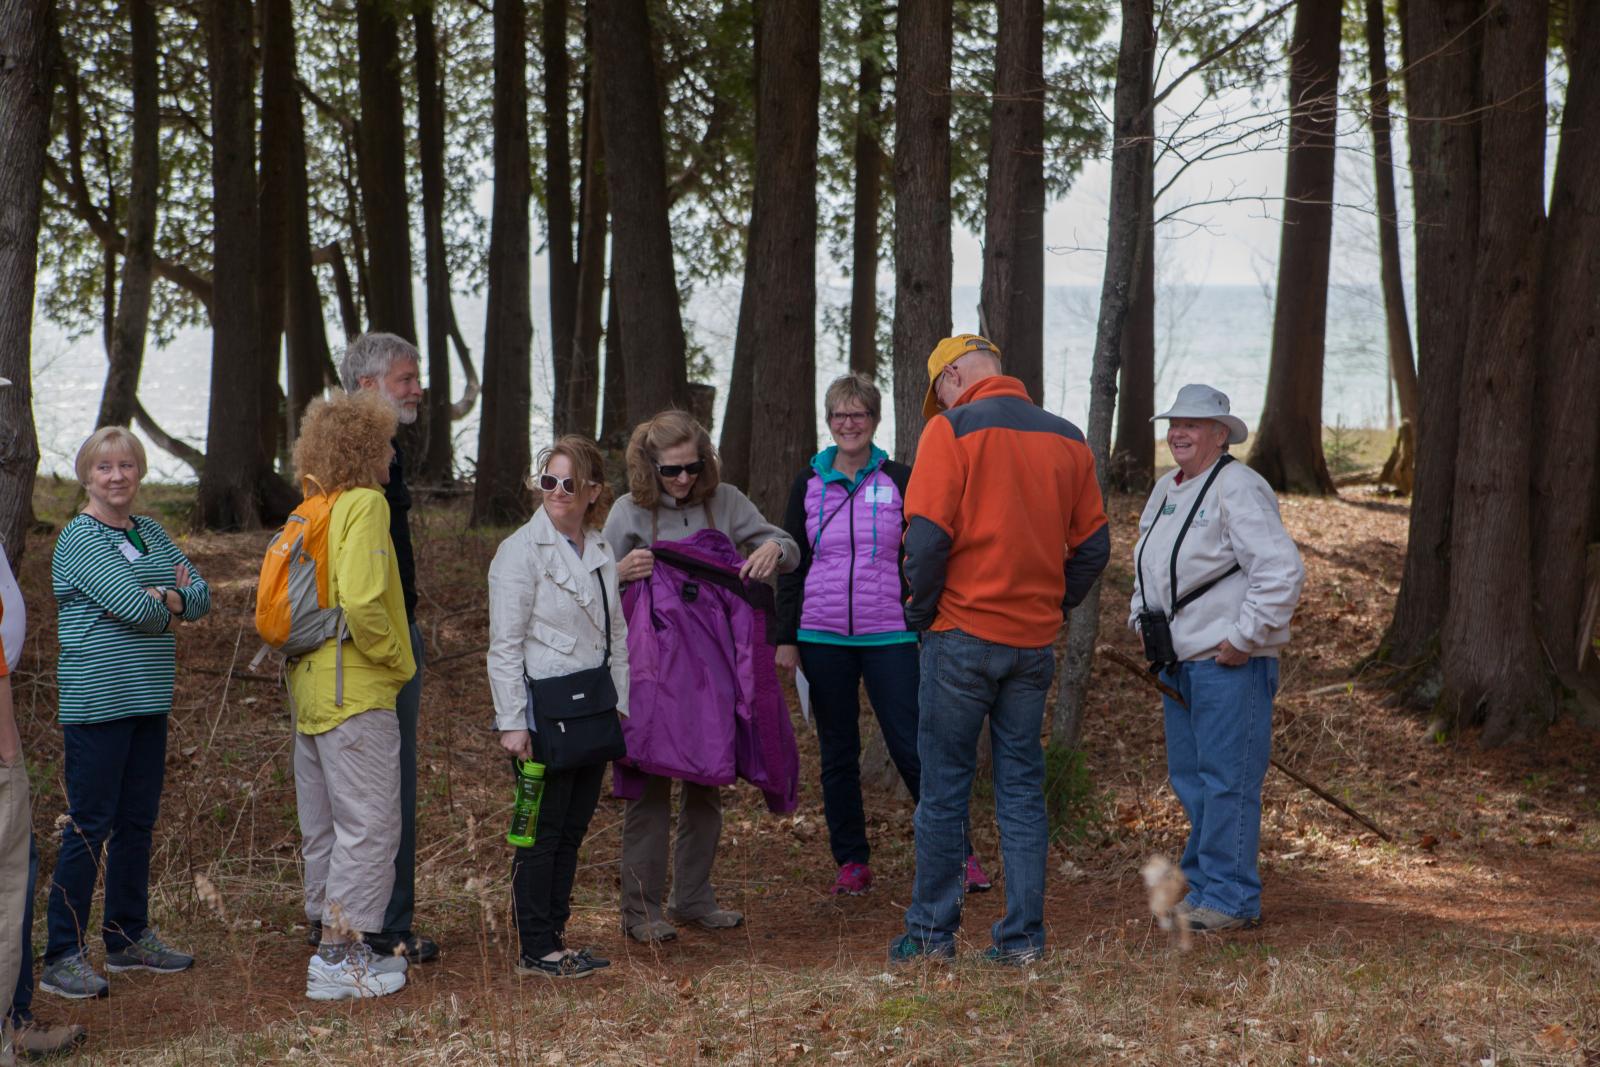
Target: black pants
[[541, 876]]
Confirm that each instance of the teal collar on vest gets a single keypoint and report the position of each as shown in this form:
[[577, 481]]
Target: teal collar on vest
[[822, 463]]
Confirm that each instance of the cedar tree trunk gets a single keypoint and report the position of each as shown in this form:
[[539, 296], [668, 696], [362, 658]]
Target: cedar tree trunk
[[869, 163], [558, 209], [440, 466]]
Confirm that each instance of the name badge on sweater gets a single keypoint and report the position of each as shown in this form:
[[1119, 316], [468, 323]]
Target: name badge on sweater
[[880, 494], [133, 554]]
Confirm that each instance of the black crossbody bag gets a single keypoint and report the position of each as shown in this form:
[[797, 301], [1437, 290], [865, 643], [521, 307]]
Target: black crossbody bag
[[1156, 626], [574, 717]]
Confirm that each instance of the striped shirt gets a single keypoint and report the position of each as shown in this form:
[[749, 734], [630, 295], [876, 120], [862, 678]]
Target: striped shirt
[[117, 649]]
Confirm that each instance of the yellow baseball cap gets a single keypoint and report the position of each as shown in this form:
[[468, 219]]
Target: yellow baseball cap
[[947, 352]]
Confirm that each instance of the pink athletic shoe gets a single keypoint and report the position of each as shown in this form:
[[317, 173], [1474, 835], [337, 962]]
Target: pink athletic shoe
[[854, 879], [977, 877]]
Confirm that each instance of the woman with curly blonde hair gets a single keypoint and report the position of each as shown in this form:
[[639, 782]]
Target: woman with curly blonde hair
[[347, 738], [676, 491]]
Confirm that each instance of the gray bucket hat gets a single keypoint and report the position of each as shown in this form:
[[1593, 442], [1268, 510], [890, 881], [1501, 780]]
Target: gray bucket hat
[[1204, 402]]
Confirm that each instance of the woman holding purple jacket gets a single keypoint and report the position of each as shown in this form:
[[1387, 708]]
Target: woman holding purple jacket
[[842, 617]]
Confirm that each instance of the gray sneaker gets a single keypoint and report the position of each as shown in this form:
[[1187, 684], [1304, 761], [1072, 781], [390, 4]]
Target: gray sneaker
[[73, 978], [149, 953]]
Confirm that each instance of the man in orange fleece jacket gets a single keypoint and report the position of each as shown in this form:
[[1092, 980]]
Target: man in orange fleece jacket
[[1006, 533]]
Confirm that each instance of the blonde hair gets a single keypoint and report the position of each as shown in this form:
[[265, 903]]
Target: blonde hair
[[343, 440], [588, 468], [853, 386], [664, 431], [105, 440]]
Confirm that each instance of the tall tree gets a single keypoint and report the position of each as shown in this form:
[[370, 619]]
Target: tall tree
[[645, 286], [1493, 665], [1288, 445], [1013, 248], [869, 163], [1441, 42], [558, 207], [500, 495], [1402, 362], [24, 132], [382, 168], [921, 207], [1135, 62], [1133, 456], [126, 346], [614, 424], [439, 468], [583, 393], [783, 247], [1569, 357], [238, 464]]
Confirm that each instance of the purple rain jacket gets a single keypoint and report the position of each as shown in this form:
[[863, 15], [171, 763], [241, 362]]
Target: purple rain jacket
[[703, 696]]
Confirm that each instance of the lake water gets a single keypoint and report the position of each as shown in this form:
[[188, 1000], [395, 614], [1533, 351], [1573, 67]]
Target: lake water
[[1221, 335]]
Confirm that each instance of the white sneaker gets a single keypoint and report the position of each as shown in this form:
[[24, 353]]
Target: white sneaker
[[357, 975]]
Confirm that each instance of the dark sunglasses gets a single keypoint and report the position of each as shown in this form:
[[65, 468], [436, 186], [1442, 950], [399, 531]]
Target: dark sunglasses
[[672, 470], [549, 483]]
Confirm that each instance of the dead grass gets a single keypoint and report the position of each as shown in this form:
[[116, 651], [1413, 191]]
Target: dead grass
[[1470, 940]]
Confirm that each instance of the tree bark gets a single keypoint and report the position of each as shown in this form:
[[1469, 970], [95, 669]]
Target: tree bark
[[237, 473], [738, 414], [1493, 666], [1288, 445], [614, 425], [1442, 41], [386, 215], [1013, 249], [783, 248], [307, 360], [278, 95], [646, 285], [126, 346], [500, 496], [558, 209], [440, 466], [593, 210], [869, 163], [1568, 392], [1133, 457], [1402, 362], [25, 36], [1135, 63], [921, 208]]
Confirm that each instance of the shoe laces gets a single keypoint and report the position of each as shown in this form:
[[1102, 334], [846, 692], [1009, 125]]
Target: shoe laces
[[77, 966]]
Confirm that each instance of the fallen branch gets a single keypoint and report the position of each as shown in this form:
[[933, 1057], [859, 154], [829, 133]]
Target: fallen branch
[[1122, 659]]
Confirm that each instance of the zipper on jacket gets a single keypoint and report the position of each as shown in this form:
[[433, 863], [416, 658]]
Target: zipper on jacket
[[850, 590]]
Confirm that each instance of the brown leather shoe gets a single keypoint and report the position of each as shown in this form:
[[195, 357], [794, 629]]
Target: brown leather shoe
[[34, 1041]]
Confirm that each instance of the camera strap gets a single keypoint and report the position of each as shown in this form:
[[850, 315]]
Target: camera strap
[[1199, 591]]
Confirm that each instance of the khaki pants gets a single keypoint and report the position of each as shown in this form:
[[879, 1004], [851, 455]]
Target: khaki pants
[[644, 852], [16, 821], [347, 787]]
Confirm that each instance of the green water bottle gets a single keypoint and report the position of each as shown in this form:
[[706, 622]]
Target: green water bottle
[[525, 812]]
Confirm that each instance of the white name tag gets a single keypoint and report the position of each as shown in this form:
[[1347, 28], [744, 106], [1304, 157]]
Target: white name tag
[[133, 554], [880, 494]]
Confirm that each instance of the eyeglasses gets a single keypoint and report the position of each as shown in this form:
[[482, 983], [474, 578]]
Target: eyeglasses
[[842, 417], [549, 483], [670, 471]]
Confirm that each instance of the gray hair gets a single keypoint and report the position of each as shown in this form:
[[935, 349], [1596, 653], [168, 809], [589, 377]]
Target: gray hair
[[371, 355]]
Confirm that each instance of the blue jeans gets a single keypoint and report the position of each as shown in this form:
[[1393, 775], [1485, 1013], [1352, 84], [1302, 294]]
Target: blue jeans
[[397, 917], [114, 772], [835, 673], [22, 999], [964, 680], [1217, 751]]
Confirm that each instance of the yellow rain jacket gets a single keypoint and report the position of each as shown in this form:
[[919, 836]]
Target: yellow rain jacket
[[365, 583]]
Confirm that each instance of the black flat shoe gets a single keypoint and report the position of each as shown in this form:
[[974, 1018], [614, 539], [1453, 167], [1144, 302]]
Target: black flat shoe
[[413, 946], [595, 961], [574, 966]]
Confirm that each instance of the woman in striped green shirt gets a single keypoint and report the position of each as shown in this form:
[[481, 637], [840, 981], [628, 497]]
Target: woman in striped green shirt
[[120, 586]]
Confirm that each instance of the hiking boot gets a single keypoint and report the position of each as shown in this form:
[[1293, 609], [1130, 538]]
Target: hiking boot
[[907, 949], [314, 934], [149, 953], [720, 919], [594, 961], [977, 877], [33, 1041], [413, 946], [653, 933], [572, 965], [1212, 921], [1022, 957], [353, 974], [854, 879], [73, 978]]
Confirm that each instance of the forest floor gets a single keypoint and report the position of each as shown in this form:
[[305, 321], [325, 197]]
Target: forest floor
[[1471, 938]]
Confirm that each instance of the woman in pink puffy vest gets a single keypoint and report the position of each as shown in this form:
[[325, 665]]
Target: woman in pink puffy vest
[[841, 615]]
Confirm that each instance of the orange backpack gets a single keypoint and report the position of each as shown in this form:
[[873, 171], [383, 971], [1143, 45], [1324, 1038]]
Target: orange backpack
[[293, 611]]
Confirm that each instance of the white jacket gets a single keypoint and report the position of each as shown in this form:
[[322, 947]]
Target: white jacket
[[1238, 522], [545, 616]]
